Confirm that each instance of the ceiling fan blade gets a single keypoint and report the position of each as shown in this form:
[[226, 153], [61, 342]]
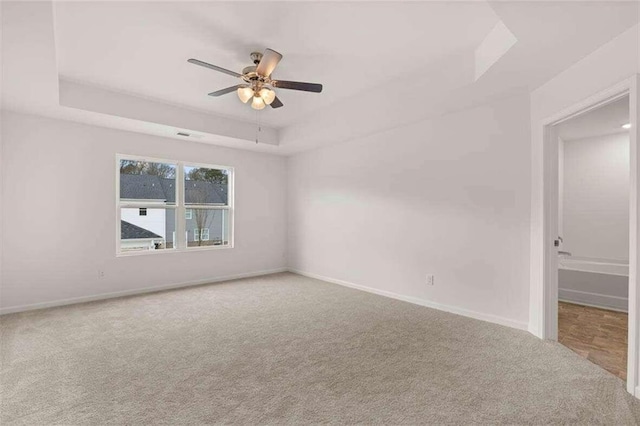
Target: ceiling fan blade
[[276, 103], [224, 91], [214, 67], [268, 63], [298, 85]]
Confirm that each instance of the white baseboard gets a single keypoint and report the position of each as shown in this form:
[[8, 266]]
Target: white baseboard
[[596, 300], [534, 330], [103, 296], [447, 308]]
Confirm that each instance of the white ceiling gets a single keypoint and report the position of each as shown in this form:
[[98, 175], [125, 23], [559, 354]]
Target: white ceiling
[[383, 64], [142, 47], [605, 120]]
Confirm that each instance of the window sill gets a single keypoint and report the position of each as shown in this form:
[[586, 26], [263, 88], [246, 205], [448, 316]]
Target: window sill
[[184, 250]]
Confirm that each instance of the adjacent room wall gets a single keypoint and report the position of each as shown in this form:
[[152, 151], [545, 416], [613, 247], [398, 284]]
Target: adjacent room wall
[[595, 212], [596, 197], [448, 197], [59, 211]]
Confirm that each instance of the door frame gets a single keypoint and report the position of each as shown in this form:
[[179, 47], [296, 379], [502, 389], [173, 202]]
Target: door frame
[[549, 294]]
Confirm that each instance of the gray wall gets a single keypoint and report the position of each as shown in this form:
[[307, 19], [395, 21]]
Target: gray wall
[[57, 257], [602, 290], [448, 196], [595, 216]]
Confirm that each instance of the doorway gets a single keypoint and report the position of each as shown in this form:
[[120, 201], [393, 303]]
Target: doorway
[[553, 241], [593, 234]]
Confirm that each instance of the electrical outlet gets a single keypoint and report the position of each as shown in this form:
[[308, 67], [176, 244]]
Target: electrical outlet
[[431, 279], [100, 274]]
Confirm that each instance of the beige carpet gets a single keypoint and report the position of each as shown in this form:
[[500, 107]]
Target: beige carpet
[[288, 349]]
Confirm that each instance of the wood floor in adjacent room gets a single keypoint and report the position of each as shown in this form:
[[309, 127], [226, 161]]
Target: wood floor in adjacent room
[[598, 335]]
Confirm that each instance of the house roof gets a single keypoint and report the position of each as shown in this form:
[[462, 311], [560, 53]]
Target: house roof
[[129, 231], [150, 187], [198, 192], [141, 187]]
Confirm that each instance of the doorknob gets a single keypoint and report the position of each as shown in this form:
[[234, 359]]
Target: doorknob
[[556, 243]]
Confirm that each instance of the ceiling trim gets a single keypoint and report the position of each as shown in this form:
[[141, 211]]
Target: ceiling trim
[[91, 98]]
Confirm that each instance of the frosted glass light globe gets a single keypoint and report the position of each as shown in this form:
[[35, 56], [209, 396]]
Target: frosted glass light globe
[[245, 93], [257, 103], [267, 95]]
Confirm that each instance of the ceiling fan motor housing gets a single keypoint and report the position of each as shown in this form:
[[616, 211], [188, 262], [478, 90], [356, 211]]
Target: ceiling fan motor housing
[[249, 70], [249, 73]]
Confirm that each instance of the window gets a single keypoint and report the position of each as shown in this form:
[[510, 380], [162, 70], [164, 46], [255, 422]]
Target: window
[[207, 195], [201, 234], [160, 201]]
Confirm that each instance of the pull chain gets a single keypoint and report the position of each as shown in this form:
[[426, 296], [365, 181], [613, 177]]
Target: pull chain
[[258, 128]]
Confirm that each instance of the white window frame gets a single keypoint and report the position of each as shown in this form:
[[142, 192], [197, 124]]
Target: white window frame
[[196, 234], [203, 232], [179, 246], [188, 214]]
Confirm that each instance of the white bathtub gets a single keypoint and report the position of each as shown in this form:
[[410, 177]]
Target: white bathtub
[[594, 282], [600, 266]]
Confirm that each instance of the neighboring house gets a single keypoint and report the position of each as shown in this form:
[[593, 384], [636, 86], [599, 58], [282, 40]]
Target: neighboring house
[[135, 238], [203, 227]]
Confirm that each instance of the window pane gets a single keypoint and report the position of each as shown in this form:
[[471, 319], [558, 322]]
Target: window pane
[[208, 227], [154, 231], [148, 182], [206, 186]]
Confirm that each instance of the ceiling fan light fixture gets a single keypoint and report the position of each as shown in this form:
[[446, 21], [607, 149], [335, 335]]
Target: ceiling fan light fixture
[[257, 103], [267, 95], [256, 82], [245, 93]]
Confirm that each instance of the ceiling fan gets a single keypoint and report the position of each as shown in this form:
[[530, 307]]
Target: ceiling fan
[[258, 85]]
